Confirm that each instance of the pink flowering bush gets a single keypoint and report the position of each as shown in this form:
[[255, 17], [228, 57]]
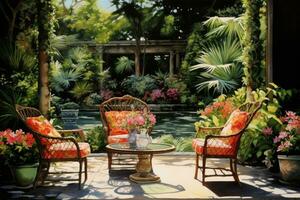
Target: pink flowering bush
[[173, 94], [18, 147], [140, 120], [288, 140], [157, 95]]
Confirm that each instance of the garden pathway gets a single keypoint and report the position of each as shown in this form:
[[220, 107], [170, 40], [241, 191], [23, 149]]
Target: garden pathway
[[177, 182]]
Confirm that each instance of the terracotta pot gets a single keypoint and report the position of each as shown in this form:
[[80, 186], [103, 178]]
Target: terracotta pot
[[289, 169]]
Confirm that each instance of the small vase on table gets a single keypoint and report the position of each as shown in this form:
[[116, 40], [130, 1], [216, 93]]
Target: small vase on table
[[132, 138]]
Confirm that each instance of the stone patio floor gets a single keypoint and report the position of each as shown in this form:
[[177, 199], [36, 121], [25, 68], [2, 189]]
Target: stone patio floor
[[177, 182]]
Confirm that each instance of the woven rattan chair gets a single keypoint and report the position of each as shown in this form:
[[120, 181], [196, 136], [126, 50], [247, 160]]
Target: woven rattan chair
[[124, 103], [55, 149], [222, 146]]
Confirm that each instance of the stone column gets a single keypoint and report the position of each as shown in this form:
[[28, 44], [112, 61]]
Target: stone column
[[171, 64], [177, 60], [99, 49]]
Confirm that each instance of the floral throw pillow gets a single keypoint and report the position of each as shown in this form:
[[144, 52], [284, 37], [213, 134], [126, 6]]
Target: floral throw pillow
[[116, 121], [41, 125], [236, 122]]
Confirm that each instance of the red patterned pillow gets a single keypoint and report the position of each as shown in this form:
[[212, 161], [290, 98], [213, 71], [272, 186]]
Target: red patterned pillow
[[236, 122], [41, 125], [116, 121]]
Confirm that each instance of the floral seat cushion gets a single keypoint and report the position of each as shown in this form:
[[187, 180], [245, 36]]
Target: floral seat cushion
[[236, 122], [41, 125], [214, 147], [66, 150], [116, 121]]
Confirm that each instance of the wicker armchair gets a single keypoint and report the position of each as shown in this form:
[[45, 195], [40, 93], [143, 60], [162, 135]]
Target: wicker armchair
[[223, 145], [126, 103], [55, 149]]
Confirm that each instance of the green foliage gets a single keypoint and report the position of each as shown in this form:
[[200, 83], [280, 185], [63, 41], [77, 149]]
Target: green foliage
[[232, 11], [61, 79], [168, 26], [89, 20], [93, 99], [81, 89], [253, 50], [77, 75], [195, 43], [8, 115], [182, 144], [70, 105], [124, 64], [220, 67], [231, 27], [97, 139], [18, 69], [137, 86]]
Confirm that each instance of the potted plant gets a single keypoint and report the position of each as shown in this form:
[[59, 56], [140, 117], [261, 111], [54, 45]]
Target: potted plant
[[288, 148], [21, 155], [69, 115]]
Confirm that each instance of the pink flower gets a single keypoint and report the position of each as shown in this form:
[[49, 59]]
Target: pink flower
[[276, 139], [140, 120], [157, 94], [282, 135], [152, 119], [267, 131], [18, 147], [284, 146], [173, 93]]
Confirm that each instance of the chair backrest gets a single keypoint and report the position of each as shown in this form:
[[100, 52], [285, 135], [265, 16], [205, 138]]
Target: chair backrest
[[124, 103], [233, 140], [25, 112], [251, 108]]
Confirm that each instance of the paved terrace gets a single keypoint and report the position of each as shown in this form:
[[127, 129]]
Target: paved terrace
[[177, 182]]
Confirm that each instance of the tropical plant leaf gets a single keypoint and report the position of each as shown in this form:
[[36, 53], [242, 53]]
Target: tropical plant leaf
[[124, 64], [81, 89], [8, 115], [61, 80], [220, 67]]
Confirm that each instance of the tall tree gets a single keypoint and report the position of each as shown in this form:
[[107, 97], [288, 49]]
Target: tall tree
[[45, 28], [9, 10], [133, 13]]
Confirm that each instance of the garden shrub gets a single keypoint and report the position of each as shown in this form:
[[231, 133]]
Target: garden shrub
[[97, 139], [138, 85]]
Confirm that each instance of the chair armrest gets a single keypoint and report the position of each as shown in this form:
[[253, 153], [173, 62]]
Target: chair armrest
[[208, 130]]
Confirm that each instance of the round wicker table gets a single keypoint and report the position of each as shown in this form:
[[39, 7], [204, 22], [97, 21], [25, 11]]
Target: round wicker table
[[143, 168]]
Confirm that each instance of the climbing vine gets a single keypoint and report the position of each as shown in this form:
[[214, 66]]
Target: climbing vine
[[253, 49], [46, 18]]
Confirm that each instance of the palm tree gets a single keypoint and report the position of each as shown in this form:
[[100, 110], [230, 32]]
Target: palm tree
[[220, 62], [221, 67], [225, 27]]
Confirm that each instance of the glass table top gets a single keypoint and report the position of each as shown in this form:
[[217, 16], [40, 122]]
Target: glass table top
[[152, 147]]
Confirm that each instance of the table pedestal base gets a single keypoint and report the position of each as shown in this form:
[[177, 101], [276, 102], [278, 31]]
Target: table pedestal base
[[144, 171], [139, 178]]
